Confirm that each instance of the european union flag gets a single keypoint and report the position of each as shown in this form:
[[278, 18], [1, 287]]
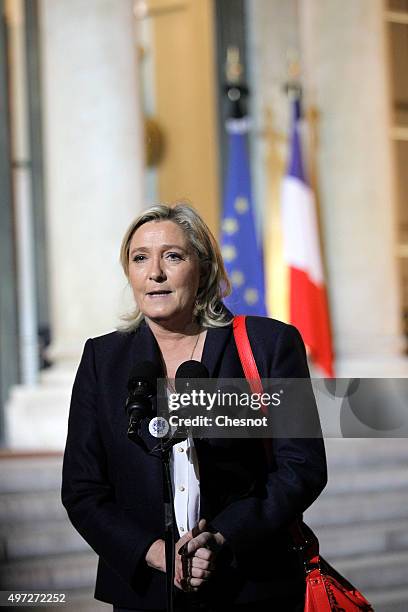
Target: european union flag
[[243, 256]]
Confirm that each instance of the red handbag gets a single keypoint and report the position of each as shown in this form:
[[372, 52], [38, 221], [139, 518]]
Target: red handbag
[[326, 589]]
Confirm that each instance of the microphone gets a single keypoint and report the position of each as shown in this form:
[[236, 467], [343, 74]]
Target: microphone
[[186, 381], [189, 370], [142, 387]]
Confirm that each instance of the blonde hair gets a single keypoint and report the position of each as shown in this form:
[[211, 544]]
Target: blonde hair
[[214, 284]]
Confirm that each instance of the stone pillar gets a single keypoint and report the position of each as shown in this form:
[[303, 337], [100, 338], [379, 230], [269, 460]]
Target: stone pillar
[[94, 179], [272, 39], [93, 161], [345, 76]]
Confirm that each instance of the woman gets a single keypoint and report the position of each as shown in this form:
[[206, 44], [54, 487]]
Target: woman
[[231, 506]]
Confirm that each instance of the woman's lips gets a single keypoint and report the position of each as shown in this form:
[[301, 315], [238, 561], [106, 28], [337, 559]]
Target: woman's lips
[[157, 295]]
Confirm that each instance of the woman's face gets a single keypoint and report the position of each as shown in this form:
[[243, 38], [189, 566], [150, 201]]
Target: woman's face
[[164, 272]]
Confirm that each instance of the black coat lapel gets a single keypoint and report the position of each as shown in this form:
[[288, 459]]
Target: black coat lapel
[[145, 347], [214, 347], [220, 355]]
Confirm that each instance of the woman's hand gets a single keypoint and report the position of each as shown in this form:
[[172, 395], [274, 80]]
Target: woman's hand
[[196, 565], [156, 557], [178, 564], [200, 554]]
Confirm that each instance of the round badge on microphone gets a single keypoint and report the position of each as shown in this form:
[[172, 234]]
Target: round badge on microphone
[[158, 427]]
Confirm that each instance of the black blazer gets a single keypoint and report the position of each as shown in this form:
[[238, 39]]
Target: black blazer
[[112, 489]]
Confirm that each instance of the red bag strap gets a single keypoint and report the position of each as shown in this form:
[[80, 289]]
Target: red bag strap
[[246, 355], [308, 547]]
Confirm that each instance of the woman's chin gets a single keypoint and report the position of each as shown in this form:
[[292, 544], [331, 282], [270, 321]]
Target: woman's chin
[[169, 317], [160, 315]]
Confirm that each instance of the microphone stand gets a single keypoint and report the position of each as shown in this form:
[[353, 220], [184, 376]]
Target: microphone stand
[[138, 406], [169, 525], [165, 449], [166, 446]]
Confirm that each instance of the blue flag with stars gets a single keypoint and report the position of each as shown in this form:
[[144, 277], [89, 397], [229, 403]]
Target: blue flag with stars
[[242, 254]]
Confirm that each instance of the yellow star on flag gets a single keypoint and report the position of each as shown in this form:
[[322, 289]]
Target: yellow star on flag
[[251, 296], [229, 252], [241, 205], [237, 278], [230, 226]]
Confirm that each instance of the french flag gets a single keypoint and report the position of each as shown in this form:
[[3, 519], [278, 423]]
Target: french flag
[[308, 300]]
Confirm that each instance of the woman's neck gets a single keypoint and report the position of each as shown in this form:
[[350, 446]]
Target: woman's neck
[[169, 333]]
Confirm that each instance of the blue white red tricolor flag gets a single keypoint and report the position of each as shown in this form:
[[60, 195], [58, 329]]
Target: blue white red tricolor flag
[[308, 300], [242, 253]]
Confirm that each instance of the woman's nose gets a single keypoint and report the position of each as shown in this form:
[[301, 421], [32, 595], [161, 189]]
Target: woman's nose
[[156, 271]]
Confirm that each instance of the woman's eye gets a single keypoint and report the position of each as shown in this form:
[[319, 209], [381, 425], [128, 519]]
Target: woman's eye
[[174, 256], [138, 258]]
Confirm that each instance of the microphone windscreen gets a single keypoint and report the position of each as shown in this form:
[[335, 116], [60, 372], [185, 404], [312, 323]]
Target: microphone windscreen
[[145, 372], [192, 369]]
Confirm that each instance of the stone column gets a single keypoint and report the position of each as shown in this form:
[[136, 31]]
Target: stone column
[[94, 179], [94, 172], [345, 73], [272, 39]]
